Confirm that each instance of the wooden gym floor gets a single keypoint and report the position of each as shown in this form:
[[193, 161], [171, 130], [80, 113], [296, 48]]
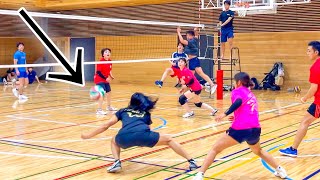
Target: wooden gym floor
[[40, 139]]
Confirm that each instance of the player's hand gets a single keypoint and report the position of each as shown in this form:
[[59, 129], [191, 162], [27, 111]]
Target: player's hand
[[231, 118], [178, 30], [109, 79], [220, 117], [18, 72], [303, 100], [218, 25]]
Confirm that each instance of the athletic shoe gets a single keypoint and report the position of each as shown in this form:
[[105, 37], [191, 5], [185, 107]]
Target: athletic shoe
[[199, 176], [192, 164], [15, 92], [214, 112], [159, 83], [115, 167], [280, 172], [101, 112], [213, 89], [188, 114], [110, 108], [5, 81], [22, 97], [289, 152]]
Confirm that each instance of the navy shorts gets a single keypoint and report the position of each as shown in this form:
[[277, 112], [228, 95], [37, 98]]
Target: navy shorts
[[194, 63], [141, 139], [314, 110], [105, 86], [251, 136], [23, 74], [226, 34]]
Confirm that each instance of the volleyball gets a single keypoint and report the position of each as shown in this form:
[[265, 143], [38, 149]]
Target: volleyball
[[96, 92]]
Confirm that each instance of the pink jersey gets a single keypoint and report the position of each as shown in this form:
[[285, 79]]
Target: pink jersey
[[187, 75], [247, 115]]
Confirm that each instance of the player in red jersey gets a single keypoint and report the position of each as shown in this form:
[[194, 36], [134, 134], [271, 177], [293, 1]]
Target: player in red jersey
[[314, 91], [103, 78]]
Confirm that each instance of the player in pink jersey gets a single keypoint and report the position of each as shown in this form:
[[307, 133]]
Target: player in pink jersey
[[188, 79], [245, 127]]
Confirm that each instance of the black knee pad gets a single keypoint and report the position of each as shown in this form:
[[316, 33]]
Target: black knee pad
[[198, 104], [183, 99]]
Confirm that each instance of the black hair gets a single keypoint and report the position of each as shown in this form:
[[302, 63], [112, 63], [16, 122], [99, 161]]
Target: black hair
[[103, 50], [19, 43], [227, 2], [315, 46], [184, 60], [191, 33], [180, 43], [141, 102], [244, 78]]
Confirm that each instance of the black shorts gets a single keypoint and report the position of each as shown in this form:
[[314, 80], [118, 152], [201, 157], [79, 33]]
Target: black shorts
[[251, 136], [141, 139], [105, 86], [314, 110], [196, 92]]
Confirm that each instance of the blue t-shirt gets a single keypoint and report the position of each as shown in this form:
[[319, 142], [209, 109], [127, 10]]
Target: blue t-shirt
[[32, 76], [224, 16], [133, 120], [176, 56], [193, 47], [21, 57]]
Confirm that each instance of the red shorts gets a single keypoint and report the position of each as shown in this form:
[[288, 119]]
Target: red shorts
[[176, 72]]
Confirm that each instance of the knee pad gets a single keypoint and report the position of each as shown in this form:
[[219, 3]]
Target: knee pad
[[198, 104], [183, 99]]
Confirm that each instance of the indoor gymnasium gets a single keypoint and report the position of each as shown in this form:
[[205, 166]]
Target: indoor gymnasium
[[159, 89]]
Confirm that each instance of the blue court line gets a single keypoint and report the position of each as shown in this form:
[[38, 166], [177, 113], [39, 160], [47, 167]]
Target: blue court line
[[164, 121], [267, 166], [311, 175]]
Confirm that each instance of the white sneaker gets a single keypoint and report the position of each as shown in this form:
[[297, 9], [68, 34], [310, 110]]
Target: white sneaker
[[110, 108], [22, 97], [199, 176], [214, 112], [101, 112], [280, 172], [5, 82], [15, 92], [188, 114], [213, 89]]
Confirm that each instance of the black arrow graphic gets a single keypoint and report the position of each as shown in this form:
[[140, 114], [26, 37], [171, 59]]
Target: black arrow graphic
[[75, 77]]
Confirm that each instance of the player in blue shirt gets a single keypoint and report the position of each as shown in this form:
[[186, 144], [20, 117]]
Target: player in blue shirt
[[19, 58], [226, 23], [174, 70], [192, 50], [135, 131], [32, 75]]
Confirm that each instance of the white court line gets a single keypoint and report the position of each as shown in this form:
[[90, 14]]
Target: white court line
[[57, 141], [7, 121], [57, 122], [52, 157]]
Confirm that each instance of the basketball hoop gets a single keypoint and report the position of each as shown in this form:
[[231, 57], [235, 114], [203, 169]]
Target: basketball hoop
[[242, 8]]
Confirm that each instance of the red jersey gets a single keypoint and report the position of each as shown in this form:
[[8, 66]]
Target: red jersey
[[105, 70], [315, 79], [187, 75]]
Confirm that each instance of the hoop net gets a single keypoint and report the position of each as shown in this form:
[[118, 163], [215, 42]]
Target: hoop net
[[243, 8]]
